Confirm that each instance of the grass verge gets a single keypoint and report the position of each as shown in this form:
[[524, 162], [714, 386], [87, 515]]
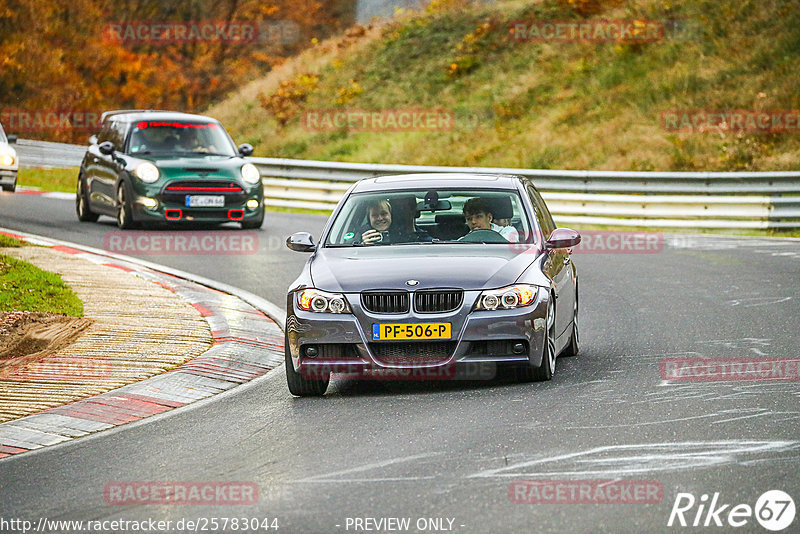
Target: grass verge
[[60, 180], [6, 241], [25, 287]]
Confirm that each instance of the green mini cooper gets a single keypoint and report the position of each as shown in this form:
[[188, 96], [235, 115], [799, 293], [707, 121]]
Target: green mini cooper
[[167, 167]]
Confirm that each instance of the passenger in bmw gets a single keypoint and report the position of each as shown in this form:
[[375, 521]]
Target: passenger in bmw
[[384, 227], [380, 219]]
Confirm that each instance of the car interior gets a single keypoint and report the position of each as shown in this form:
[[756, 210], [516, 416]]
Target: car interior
[[438, 213]]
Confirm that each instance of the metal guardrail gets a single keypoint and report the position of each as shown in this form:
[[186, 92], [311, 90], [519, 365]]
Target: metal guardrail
[[732, 200], [47, 154], [756, 200]]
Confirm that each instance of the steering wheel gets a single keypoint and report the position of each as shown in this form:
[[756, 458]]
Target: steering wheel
[[483, 236]]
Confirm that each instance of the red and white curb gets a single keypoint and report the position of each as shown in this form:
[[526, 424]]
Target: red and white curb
[[21, 190], [247, 344]]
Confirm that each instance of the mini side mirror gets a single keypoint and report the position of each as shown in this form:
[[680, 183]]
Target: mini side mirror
[[12, 139], [106, 147], [245, 149], [563, 238], [301, 242]]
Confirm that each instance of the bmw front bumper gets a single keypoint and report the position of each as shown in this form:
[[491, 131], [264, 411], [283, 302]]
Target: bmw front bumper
[[343, 342]]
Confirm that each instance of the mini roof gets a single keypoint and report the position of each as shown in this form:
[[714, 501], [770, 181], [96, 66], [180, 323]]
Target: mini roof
[[155, 114]]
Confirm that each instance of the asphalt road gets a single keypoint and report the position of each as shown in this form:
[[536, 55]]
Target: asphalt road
[[451, 450]]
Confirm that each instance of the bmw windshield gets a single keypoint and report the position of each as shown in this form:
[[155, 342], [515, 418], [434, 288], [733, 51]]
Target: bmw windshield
[[431, 216]]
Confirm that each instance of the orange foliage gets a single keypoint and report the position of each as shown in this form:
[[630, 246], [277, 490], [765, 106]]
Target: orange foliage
[[62, 55]]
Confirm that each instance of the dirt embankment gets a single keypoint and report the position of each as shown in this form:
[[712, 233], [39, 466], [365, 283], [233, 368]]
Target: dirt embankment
[[26, 337]]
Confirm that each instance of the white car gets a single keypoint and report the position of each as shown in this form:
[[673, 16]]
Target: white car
[[9, 164]]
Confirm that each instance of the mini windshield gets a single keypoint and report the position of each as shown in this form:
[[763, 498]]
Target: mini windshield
[[179, 137], [431, 216]]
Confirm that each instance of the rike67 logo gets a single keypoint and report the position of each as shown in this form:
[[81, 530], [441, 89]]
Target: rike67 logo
[[774, 510]]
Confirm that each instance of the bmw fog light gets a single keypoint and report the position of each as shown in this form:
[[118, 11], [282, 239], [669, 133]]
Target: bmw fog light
[[252, 204]]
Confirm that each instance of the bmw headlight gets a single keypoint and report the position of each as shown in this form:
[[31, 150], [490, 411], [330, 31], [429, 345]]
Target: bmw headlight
[[250, 173], [147, 172], [314, 300], [506, 298]]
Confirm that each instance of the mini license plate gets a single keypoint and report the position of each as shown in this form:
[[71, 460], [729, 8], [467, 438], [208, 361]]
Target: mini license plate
[[397, 331], [205, 201]]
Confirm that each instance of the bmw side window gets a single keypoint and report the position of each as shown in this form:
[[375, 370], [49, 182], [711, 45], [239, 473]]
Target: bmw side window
[[542, 213]]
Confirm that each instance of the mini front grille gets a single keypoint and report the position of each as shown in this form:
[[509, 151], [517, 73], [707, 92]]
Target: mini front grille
[[204, 187], [410, 353], [203, 170], [385, 301], [438, 301]]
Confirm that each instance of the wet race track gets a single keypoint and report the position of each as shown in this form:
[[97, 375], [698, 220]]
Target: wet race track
[[477, 456]]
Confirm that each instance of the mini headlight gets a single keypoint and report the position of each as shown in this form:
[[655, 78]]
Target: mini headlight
[[147, 172], [6, 160], [506, 298], [250, 173], [314, 300]]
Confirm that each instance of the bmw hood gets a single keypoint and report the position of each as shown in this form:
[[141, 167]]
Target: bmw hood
[[471, 267]]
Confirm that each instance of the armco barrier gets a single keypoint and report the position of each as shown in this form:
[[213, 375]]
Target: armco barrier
[[657, 199], [743, 200]]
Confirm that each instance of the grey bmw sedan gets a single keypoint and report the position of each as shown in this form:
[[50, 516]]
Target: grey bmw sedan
[[425, 275]]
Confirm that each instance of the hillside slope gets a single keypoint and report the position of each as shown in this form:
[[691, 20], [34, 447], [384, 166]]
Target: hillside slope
[[566, 104]]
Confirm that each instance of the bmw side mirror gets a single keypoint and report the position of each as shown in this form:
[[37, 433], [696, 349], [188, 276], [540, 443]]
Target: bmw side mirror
[[93, 140], [245, 149], [12, 139], [106, 147], [563, 238], [301, 242]]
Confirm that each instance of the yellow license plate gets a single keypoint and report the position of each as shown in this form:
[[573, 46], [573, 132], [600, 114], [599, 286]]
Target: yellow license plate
[[396, 331]]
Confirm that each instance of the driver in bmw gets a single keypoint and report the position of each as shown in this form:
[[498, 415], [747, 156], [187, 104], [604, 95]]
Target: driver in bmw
[[478, 215]]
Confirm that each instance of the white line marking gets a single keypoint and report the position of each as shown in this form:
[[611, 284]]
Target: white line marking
[[369, 466]]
